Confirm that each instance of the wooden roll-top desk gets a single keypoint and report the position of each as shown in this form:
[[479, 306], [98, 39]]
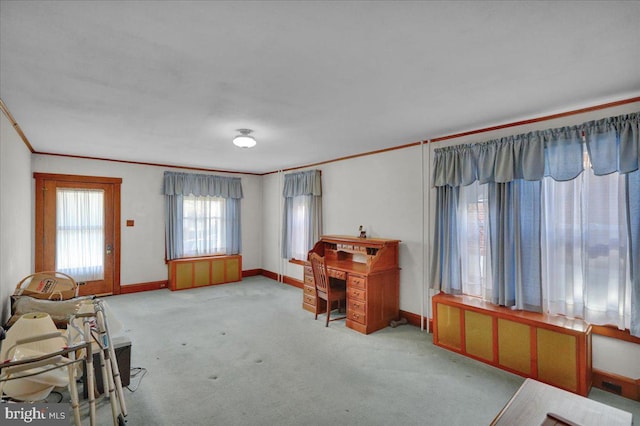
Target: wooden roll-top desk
[[369, 266]]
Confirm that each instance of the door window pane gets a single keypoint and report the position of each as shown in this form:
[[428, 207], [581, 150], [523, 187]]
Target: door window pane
[[80, 233]]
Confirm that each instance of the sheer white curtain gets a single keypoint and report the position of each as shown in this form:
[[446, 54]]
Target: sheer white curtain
[[301, 226], [584, 248], [585, 260], [203, 226], [80, 233], [473, 240]]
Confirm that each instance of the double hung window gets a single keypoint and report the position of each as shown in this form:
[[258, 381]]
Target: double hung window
[[203, 226], [302, 219], [202, 215]]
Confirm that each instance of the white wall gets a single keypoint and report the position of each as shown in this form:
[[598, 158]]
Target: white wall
[[271, 226], [616, 356], [142, 246], [16, 211], [382, 192]]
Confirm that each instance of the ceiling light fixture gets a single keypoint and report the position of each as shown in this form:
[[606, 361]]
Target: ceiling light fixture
[[243, 140]]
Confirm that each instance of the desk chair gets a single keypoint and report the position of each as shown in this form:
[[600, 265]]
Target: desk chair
[[325, 289]]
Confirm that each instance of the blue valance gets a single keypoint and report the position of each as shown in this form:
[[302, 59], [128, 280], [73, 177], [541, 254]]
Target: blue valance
[[302, 183], [613, 145], [202, 185]]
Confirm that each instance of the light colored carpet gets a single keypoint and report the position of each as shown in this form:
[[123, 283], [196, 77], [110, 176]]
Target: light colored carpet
[[248, 354]]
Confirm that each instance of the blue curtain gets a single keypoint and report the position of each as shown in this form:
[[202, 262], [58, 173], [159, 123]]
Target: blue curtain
[[446, 262], [173, 226], [514, 236], [177, 185], [633, 215], [614, 144], [513, 167]]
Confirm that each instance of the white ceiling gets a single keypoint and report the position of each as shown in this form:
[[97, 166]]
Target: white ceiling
[[170, 82]]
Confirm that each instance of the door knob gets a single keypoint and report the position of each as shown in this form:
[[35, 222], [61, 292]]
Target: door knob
[[109, 248]]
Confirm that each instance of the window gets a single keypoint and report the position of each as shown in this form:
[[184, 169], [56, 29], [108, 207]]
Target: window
[[202, 215], [585, 248], [563, 221], [474, 240], [300, 238], [203, 226], [302, 216], [585, 257]]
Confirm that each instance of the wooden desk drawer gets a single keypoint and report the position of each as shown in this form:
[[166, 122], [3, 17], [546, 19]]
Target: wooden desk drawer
[[356, 316], [355, 305], [309, 299], [311, 291], [308, 280], [356, 293], [357, 281], [334, 273], [308, 271]]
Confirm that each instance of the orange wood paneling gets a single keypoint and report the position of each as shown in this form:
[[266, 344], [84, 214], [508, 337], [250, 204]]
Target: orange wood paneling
[[136, 288], [617, 384], [203, 271], [548, 348]]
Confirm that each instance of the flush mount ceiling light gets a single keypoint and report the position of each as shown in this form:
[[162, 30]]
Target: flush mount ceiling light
[[243, 140]]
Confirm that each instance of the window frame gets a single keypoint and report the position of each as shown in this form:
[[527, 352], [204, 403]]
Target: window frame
[[221, 226]]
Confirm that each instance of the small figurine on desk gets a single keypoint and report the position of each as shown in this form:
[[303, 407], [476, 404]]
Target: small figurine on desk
[[363, 233]]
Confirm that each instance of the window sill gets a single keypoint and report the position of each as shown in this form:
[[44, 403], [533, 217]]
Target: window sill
[[298, 262], [614, 333], [204, 256]]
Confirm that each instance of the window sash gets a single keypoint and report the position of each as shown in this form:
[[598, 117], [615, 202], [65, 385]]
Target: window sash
[[203, 226], [473, 240], [300, 226]]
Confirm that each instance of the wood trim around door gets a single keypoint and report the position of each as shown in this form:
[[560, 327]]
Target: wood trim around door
[[40, 179]]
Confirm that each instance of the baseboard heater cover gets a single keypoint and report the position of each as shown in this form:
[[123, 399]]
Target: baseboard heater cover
[[548, 348], [204, 271]]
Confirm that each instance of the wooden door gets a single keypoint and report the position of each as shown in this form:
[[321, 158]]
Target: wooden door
[[51, 230]]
